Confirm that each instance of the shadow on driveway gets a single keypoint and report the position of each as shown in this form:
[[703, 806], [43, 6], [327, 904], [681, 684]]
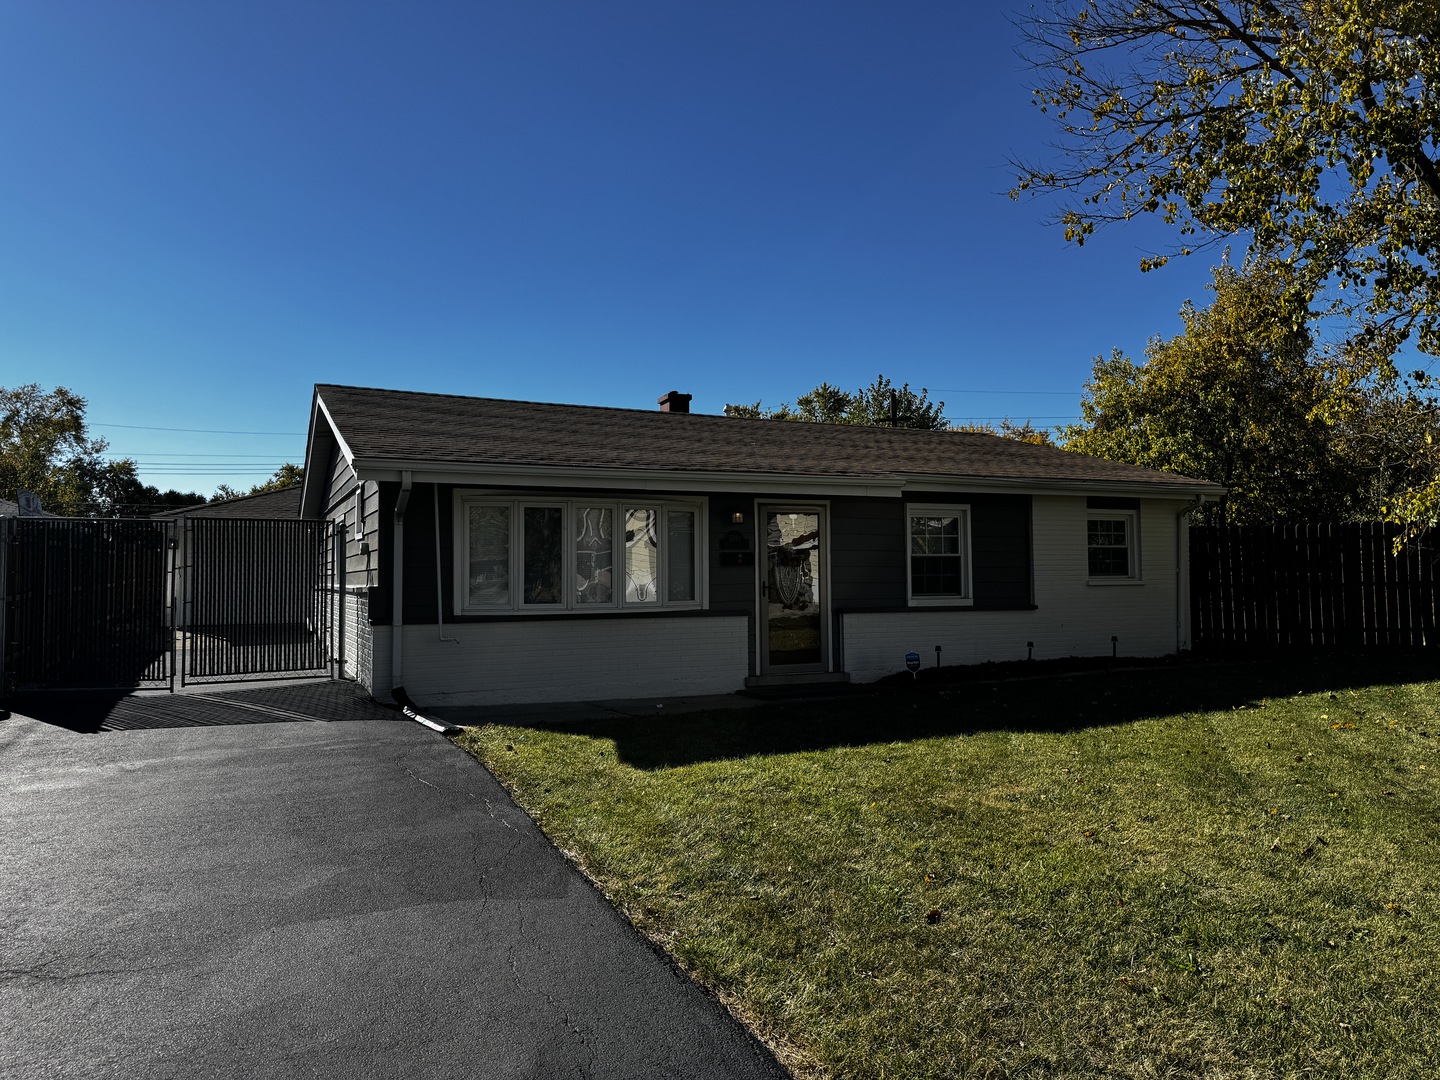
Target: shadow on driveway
[[215, 705]]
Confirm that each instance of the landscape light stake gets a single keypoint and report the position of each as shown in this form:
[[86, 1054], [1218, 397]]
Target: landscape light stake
[[1114, 645]]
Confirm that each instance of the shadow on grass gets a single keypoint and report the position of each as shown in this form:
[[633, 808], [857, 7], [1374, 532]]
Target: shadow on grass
[[961, 703]]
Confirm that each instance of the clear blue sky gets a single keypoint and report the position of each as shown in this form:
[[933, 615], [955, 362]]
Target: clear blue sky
[[206, 208]]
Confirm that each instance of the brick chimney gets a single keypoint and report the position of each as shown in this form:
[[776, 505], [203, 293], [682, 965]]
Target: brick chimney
[[674, 401]]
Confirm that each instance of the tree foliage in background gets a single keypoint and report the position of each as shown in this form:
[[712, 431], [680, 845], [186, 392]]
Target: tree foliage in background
[[1245, 400], [870, 405], [123, 494], [1025, 432], [44, 448], [1312, 126], [288, 475]]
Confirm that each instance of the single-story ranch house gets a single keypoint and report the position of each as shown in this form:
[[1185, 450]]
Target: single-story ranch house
[[509, 551]]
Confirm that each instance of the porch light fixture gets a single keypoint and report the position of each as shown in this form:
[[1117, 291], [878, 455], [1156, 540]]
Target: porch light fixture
[[737, 518]]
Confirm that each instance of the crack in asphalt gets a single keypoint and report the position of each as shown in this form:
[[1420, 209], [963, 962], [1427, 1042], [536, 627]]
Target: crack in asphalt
[[560, 1012]]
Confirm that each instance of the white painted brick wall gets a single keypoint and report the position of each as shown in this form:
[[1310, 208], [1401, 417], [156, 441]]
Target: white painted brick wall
[[357, 663], [1072, 618], [535, 660]]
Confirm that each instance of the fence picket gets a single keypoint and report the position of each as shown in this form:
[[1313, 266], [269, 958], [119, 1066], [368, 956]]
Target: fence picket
[[1315, 586]]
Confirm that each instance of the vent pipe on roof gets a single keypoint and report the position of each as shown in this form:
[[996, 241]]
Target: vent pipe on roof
[[674, 401]]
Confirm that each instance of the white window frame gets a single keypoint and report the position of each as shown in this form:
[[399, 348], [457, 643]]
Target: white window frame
[[570, 505], [966, 597], [1132, 546], [359, 510]]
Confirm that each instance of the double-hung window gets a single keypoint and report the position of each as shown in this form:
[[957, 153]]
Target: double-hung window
[[1112, 545], [577, 554], [938, 568]]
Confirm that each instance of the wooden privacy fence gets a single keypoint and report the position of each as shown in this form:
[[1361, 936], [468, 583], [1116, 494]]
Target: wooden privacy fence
[[1312, 586]]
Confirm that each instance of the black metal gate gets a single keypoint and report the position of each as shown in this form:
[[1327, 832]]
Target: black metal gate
[[259, 598], [117, 604], [87, 604]]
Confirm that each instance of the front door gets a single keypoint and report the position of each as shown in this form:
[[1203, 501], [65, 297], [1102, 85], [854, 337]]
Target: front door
[[794, 605]]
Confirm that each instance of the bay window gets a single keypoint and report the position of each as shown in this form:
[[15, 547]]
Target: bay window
[[576, 554]]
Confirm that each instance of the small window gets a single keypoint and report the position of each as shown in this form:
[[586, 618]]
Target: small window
[[939, 554], [594, 555], [1111, 547], [642, 556], [680, 536], [359, 509], [543, 538], [488, 526]]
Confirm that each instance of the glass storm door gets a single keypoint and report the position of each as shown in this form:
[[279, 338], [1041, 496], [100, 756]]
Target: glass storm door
[[793, 605]]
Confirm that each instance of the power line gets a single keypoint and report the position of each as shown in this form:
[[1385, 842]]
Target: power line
[[196, 431], [1044, 393]]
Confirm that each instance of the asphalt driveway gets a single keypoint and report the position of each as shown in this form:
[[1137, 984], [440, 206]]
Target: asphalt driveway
[[342, 899]]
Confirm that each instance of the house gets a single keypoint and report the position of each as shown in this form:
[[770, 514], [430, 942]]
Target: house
[[27, 505], [507, 551]]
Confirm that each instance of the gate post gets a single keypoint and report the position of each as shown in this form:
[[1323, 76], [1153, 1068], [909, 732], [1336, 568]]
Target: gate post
[[7, 532]]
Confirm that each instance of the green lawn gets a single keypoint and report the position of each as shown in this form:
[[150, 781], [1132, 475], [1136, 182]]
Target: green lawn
[[1205, 870]]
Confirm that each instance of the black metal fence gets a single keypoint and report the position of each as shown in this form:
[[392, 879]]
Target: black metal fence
[[119, 604], [87, 604], [1312, 586], [259, 598]]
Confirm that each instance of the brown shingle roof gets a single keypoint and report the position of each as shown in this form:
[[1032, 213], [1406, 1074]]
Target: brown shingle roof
[[400, 425], [281, 503]]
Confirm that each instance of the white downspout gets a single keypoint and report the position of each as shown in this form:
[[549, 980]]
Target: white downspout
[[397, 564], [439, 590], [1181, 563]]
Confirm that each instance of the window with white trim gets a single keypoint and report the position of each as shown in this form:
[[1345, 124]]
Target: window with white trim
[[1111, 547], [938, 566], [359, 510], [540, 554]]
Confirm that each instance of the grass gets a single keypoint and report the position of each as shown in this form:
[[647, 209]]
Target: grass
[[1210, 870]]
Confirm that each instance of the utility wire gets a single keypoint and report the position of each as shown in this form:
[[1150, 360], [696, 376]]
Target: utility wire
[[195, 431]]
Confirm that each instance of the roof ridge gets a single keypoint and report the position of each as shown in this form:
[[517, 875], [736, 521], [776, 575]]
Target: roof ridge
[[651, 412]]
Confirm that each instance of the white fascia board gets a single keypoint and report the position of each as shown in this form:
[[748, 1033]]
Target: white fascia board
[[426, 472], [339, 439], [1156, 490], [319, 477], [539, 476]]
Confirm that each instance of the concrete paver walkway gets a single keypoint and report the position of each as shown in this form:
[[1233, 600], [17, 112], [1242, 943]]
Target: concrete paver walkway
[[314, 899]]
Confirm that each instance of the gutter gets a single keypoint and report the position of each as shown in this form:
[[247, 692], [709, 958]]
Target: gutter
[[439, 589], [482, 474], [397, 565]]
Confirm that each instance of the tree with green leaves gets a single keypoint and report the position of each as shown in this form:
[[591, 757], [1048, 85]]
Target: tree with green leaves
[[288, 475], [1244, 400], [881, 404], [1309, 127], [125, 495], [45, 448], [1025, 431]]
